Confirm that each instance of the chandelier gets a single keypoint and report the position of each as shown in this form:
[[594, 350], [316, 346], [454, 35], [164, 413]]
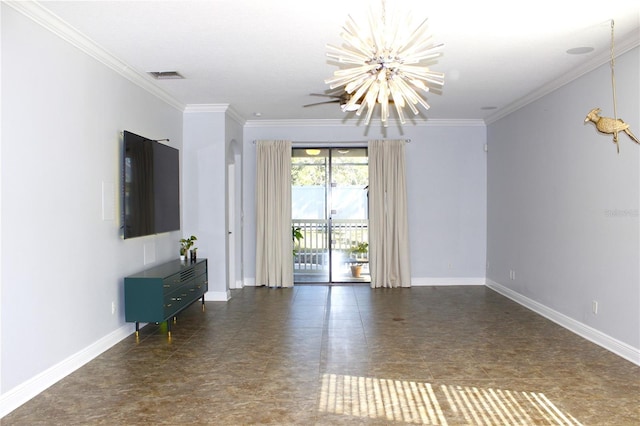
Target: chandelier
[[385, 63]]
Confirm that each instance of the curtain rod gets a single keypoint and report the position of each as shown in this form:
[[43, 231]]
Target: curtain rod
[[320, 143]]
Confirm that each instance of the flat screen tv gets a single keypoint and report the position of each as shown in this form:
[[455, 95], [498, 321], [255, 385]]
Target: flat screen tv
[[150, 187]]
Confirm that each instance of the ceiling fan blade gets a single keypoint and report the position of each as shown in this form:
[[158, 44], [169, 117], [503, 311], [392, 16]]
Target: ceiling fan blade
[[326, 95], [321, 103]]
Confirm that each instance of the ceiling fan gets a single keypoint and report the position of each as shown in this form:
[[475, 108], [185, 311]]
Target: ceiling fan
[[340, 98]]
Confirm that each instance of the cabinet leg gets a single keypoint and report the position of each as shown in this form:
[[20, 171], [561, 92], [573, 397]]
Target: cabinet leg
[[203, 302], [169, 326], [137, 328]]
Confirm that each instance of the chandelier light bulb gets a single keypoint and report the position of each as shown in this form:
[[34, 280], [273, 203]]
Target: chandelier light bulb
[[385, 63]]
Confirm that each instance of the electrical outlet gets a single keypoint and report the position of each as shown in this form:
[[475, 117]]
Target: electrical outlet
[[594, 307], [113, 308]]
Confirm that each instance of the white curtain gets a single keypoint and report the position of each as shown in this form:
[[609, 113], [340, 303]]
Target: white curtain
[[274, 247], [388, 227]]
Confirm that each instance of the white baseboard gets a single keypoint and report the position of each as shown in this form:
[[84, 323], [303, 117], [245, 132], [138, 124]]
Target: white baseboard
[[428, 281], [446, 281], [22, 393], [217, 296], [619, 348]]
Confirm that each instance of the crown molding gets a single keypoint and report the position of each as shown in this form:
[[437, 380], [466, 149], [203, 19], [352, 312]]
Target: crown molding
[[196, 108], [235, 116], [216, 108], [622, 46], [343, 123], [43, 17], [37, 13]]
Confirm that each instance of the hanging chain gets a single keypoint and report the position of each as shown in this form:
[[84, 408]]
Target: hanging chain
[[613, 74]]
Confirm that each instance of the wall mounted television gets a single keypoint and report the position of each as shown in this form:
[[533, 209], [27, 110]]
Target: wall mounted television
[[150, 187]]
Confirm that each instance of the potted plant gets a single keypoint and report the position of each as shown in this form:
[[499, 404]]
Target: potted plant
[[296, 236], [356, 251], [185, 245]]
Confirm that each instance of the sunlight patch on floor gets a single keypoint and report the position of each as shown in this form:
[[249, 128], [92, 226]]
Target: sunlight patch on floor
[[394, 400], [419, 403], [489, 406]]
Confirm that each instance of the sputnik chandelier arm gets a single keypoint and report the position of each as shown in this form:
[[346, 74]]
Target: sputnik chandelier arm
[[385, 63]]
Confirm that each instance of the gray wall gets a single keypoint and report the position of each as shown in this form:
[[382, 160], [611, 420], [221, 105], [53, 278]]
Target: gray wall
[[563, 206], [446, 189], [63, 259], [203, 188]]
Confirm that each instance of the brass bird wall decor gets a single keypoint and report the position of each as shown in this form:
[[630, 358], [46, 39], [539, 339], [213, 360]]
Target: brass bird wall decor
[[607, 125], [610, 126]]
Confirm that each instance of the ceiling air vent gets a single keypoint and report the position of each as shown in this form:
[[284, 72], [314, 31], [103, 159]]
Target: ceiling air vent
[[166, 75]]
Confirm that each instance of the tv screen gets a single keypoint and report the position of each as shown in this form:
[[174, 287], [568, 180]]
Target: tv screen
[[151, 187]]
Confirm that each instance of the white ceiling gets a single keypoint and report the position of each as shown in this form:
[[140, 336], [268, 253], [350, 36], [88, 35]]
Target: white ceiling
[[267, 56]]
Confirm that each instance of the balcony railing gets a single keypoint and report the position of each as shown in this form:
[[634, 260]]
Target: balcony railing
[[312, 252]]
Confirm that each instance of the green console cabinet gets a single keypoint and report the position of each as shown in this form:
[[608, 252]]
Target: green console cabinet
[[159, 293]]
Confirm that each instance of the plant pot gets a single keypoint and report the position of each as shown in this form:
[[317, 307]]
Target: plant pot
[[193, 255], [183, 257], [356, 270]]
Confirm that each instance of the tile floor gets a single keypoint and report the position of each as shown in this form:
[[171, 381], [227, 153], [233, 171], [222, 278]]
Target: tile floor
[[348, 355]]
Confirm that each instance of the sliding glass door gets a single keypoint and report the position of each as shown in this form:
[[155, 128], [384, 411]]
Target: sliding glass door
[[330, 214]]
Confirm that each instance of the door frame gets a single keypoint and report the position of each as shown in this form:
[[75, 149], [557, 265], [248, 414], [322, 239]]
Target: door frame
[[329, 212]]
